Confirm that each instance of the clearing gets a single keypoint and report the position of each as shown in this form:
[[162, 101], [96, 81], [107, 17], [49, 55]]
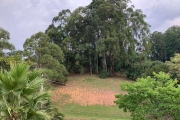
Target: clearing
[[87, 97]]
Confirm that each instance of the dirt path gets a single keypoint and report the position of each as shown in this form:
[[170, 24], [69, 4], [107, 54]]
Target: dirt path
[[83, 96]]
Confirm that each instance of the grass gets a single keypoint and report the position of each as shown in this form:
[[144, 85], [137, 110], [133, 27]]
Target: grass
[[93, 81], [74, 111]]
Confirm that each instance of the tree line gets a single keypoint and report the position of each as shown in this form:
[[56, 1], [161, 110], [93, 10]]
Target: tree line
[[105, 37], [102, 38]]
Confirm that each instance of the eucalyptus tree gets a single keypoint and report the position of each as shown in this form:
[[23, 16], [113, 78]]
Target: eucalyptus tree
[[158, 50], [122, 31], [56, 31], [47, 55], [59, 35], [172, 40], [4, 41], [76, 40], [102, 33], [5, 45]]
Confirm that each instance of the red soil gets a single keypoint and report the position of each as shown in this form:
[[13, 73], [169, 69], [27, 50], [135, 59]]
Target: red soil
[[83, 96]]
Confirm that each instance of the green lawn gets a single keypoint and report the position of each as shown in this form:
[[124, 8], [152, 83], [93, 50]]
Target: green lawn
[[77, 112]]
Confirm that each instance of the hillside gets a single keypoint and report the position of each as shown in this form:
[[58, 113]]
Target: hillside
[[87, 97]]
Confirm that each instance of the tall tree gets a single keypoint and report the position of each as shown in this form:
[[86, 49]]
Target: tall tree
[[172, 40], [56, 31], [158, 50], [4, 41], [122, 31], [46, 54], [102, 33]]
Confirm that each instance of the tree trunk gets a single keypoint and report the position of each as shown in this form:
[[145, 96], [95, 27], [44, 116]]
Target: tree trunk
[[112, 65], [104, 62], [90, 66], [97, 67]]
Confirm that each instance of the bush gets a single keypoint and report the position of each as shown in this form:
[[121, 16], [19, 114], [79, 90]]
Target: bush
[[156, 66], [104, 74], [137, 69]]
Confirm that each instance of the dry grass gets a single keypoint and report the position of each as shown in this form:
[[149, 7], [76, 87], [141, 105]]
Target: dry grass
[[88, 90]]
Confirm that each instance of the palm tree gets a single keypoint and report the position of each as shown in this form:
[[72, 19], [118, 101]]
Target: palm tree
[[20, 95]]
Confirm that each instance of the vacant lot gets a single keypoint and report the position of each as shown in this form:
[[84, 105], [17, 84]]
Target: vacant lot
[[87, 97]]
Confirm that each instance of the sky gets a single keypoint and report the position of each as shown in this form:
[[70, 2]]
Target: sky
[[23, 18]]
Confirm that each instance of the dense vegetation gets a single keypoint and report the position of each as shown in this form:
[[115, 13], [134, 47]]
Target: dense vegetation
[[23, 96], [103, 38], [156, 96]]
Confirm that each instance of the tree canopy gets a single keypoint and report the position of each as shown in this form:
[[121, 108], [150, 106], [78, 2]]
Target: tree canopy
[[4, 41], [156, 96], [47, 55], [99, 35], [105, 37]]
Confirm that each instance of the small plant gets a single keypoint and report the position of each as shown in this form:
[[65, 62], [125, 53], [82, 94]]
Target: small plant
[[104, 74]]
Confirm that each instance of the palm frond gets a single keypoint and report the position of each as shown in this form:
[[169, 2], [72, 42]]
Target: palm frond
[[36, 83], [33, 75], [40, 96], [37, 115], [6, 82]]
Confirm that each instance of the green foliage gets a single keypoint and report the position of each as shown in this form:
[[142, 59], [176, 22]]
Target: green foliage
[[155, 66], [14, 58], [4, 64], [137, 66], [104, 74], [99, 34], [172, 41], [158, 49], [4, 41], [47, 55], [174, 66], [152, 96], [53, 111], [22, 95]]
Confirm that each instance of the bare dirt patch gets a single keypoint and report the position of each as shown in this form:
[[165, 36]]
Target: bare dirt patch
[[83, 96], [87, 90]]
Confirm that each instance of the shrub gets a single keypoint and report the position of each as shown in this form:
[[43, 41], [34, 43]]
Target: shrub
[[104, 74], [156, 66]]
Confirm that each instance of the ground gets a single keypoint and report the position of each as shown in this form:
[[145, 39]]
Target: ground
[[91, 94]]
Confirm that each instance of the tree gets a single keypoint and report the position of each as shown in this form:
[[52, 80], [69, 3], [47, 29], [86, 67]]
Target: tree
[[100, 34], [46, 54], [154, 96], [4, 43], [56, 31], [137, 66], [172, 41], [174, 65], [158, 50], [15, 56], [21, 95], [155, 66]]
